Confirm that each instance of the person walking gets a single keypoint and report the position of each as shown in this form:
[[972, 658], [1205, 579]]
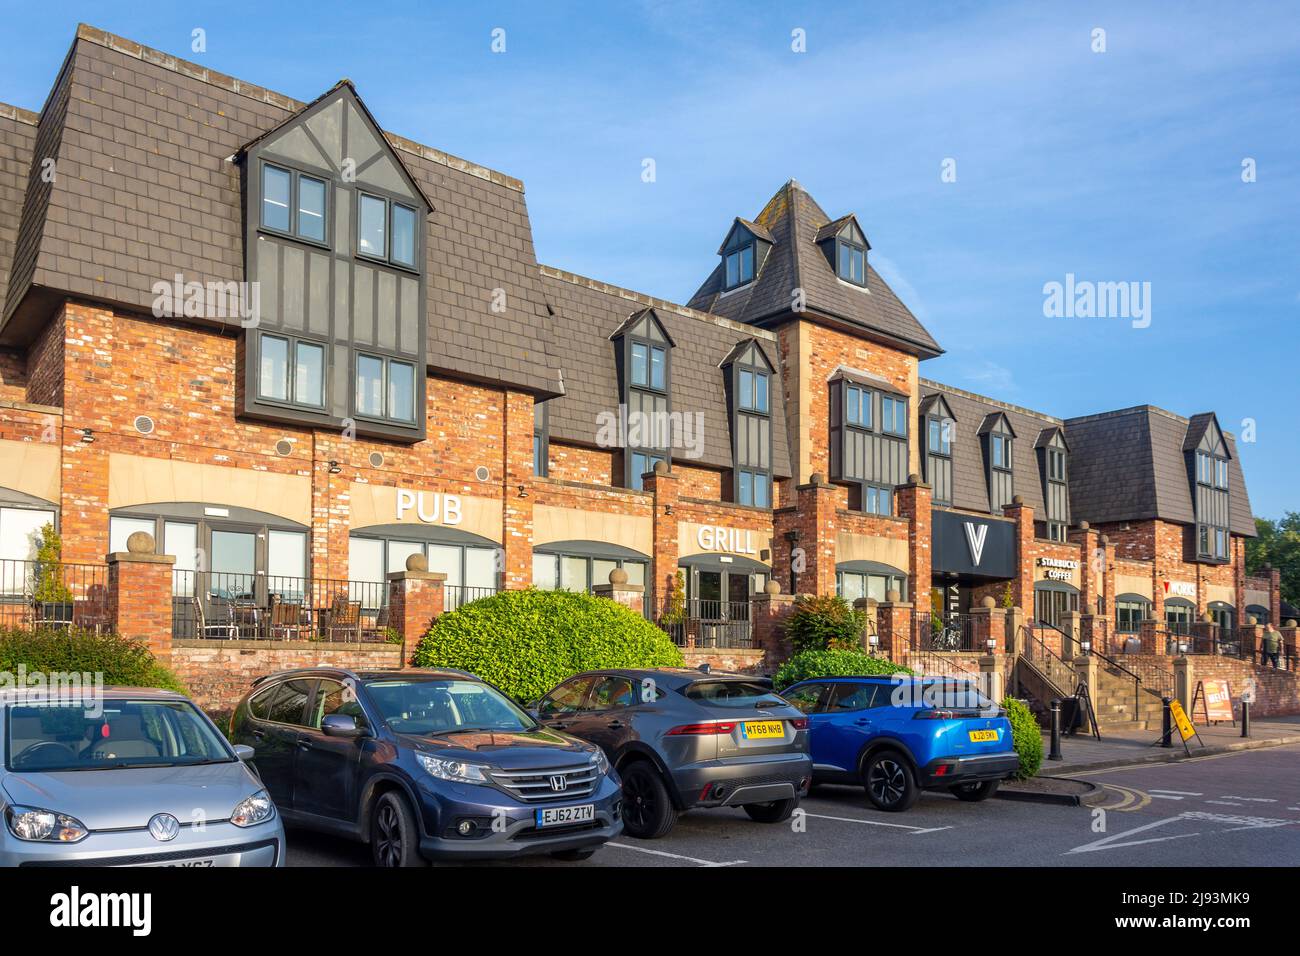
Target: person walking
[[1271, 645]]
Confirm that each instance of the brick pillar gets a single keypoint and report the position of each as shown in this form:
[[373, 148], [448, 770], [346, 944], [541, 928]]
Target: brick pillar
[[1069, 645], [991, 678], [1086, 669], [1022, 588], [771, 609], [1251, 639], [1091, 566], [894, 621], [415, 600], [631, 596], [1275, 596], [1015, 630], [331, 507], [1237, 550], [662, 485], [1184, 683], [817, 524], [517, 484], [1152, 641], [914, 501], [988, 623], [1205, 635], [140, 595], [868, 607]]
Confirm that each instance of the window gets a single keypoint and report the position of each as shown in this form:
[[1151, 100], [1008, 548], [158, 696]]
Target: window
[[648, 366], [852, 585], [1203, 467], [20, 533], [857, 406], [572, 572], [300, 382], [893, 415], [294, 203], [642, 464], [753, 391], [940, 437], [805, 697], [1220, 473], [1000, 449], [120, 528], [877, 500], [740, 266], [1056, 531], [335, 698], [385, 388], [1055, 464], [852, 263], [541, 439], [289, 702], [387, 230], [753, 489], [567, 698], [1130, 613], [1221, 544], [850, 697]]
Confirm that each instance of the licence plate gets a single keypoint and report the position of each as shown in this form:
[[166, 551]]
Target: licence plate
[[983, 736], [566, 816], [196, 863], [762, 729]]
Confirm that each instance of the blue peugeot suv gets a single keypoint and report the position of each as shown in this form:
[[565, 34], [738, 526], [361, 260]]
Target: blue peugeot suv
[[425, 765], [898, 736]]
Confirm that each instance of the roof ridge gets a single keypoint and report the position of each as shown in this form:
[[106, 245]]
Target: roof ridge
[[653, 302], [234, 85], [996, 402], [17, 113], [1132, 409]]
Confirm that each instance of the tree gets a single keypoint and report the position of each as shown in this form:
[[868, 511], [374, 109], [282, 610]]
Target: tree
[[1278, 546]]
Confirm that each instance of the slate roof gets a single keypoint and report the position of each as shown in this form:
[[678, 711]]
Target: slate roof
[[588, 312], [793, 219], [17, 141], [145, 190]]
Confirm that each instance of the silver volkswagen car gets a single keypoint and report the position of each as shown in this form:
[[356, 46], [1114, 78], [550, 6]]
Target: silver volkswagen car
[[135, 777]]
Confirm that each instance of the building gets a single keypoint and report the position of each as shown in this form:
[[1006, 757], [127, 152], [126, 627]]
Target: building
[[297, 349]]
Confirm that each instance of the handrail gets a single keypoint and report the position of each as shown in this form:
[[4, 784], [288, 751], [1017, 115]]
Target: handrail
[[1048, 655]]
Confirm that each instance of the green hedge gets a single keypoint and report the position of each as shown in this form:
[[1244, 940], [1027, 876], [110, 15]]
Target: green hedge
[[1027, 737], [811, 664], [122, 662], [526, 642], [820, 623]]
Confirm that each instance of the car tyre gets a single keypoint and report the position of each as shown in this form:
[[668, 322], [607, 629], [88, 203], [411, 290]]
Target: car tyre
[[890, 784], [772, 812], [394, 834], [574, 856], [975, 792], [648, 812]]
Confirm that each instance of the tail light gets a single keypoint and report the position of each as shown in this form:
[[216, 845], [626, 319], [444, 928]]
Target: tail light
[[799, 723], [935, 715], [703, 730]]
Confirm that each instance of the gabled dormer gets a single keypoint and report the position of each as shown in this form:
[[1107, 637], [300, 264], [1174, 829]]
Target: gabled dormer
[[335, 231], [643, 353], [1053, 471], [939, 429], [1208, 456], [997, 442], [743, 253], [845, 247], [868, 437], [749, 378]]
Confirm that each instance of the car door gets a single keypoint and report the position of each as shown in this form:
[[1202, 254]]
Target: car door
[[849, 721], [809, 699], [604, 718], [276, 717], [326, 768], [560, 707]]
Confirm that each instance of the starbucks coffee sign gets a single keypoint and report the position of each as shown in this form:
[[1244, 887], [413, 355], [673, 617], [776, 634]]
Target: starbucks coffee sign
[[1058, 569]]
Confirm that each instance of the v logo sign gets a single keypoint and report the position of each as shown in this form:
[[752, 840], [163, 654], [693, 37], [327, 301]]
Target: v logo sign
[[975, 540]]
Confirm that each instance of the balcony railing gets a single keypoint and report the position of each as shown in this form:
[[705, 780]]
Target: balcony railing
[[458, 595], [713, 624], [230, 606], [943, 632], [60, 595]]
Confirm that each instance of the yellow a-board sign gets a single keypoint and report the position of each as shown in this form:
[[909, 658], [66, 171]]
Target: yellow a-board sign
[[1180, 718]]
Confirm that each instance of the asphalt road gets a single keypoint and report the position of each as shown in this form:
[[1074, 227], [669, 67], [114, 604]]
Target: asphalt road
[[1240, 809]]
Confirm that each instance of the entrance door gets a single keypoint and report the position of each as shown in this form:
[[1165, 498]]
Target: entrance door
[[232, 583]]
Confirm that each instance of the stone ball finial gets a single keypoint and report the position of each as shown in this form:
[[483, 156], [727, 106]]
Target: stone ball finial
[[661, 468], [1017, 499], [1250, 619], [893, 597], [1084, 526], [618, 577], [1290, 622], [140, 542], [417, 562], [1207, 618], [771, 587], [1104, 540], [817, 478], [1090, 608], [913, 479], [987, 602]]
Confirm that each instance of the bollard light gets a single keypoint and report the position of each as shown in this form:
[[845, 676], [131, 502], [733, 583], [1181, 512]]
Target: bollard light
[[1085, 646], [992, 643]]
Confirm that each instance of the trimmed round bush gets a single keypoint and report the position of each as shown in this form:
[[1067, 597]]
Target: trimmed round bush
[[121, 661], [528, 641], [1026, 736], [826, 622], [811, 664]]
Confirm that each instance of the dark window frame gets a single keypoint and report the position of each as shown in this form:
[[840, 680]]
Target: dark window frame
[[387, 258], [873, 491], [842, 246], [295, 203], [291, 372], [767, 487], [541, 440], [388, 361], [867, 400], [1002, 439], [886, 427]]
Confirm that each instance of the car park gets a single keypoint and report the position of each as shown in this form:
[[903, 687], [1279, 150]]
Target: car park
[[132, 777], [425, 765], [682, 739], [899, 736]]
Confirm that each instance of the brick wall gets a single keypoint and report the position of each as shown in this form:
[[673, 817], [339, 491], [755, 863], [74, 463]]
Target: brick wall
[[13, 376], [1277, 692]]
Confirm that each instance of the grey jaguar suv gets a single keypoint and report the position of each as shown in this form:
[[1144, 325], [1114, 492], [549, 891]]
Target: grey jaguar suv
[[687, 738], [425, 765], [137, 777]]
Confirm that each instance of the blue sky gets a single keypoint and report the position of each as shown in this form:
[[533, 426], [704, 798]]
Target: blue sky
[[1117, 166]]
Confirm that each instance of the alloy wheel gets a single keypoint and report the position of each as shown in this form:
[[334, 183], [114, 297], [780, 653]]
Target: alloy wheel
[[638, 801], [389, 848], [887, 781]]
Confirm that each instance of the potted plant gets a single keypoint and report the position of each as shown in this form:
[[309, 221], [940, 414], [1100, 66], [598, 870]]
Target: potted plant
[[52, 598]]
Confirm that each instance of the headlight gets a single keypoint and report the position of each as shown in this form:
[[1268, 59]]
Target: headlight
[[600, 760], [44, 826], [256, 809], [456, 770]]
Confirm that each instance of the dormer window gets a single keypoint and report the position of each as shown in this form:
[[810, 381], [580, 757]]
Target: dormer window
[[753, 390], [857, 406], [386, 230], [740, 266], [644, 355], [998, 442], [293, 203], [846, 249], [649, 363], [1000, 446], [742, 253], [749, 375], [1053, 456], [893, 416], [853, 262]]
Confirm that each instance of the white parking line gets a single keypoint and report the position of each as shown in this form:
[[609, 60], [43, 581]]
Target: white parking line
[[672, 856], [1251, 799], [1177, 793], [1163, 796], [879, 823], [1223, 803]]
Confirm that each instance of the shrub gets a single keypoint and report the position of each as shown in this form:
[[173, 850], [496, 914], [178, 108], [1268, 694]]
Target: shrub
[[526, 642], [825, 623], [49, 587], [811, 664], [120, 660], [1026, 736]]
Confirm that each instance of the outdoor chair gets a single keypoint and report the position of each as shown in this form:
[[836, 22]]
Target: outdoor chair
[[220, 624], [344, 620]]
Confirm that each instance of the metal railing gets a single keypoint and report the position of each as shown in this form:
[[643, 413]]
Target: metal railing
[[458, 595], [230, 606], [53, 595], [933, 631], [720, 624], [1058, 672]]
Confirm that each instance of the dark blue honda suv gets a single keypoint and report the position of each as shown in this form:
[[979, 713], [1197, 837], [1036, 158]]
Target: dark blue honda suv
[[425, 765]]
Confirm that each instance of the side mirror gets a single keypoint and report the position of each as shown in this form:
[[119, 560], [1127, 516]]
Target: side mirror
[[245, 752], [340, 725]]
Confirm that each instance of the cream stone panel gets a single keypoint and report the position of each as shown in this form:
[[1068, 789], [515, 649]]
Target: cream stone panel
[[861, 547], [572, 524], [1220, 592], [688, 541], [1261, 598], [377, 504], [1134, 584], [31, 467], [133, 480]]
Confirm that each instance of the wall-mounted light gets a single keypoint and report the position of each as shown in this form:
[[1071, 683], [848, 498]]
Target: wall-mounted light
[[1086, 647], [88, 436], [992, 643], [668, 509], [335, 467], [523, 491]]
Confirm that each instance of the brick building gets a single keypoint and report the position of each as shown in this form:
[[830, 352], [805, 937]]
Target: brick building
[[296, 348]]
